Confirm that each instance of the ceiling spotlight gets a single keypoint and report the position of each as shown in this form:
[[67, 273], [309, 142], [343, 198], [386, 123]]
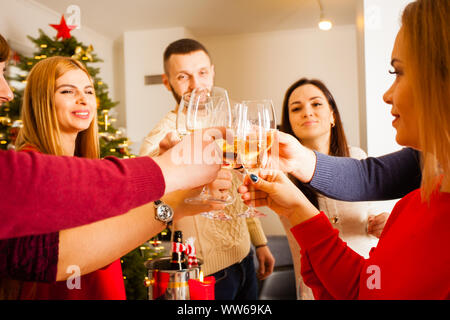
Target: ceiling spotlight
[[324, 24]]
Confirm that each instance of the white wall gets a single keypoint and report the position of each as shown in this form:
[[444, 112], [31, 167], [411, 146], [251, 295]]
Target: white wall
[[145, 105], [378, 22], [377, 34], [20, 18]]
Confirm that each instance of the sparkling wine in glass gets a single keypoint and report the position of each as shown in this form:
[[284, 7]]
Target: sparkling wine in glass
[[205, 109], [255, 138]]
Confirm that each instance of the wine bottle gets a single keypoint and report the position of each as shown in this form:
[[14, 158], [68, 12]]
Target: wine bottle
[[178, 261]]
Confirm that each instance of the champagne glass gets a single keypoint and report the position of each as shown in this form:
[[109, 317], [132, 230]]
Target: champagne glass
[[181, 115], [254, 138], [206, 108]]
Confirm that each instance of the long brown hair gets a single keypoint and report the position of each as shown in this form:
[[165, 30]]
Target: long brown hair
[[40, 123], [338, 140], [426, 28], [9, 289], [4, 49]]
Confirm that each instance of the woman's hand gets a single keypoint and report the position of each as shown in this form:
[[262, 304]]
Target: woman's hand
[[375, 224], [289, 155], [275, 190]]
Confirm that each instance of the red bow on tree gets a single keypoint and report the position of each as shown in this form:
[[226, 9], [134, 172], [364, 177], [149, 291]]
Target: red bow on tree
[[63, 29]]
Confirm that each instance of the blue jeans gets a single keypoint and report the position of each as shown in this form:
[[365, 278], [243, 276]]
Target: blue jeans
[[238, 281]]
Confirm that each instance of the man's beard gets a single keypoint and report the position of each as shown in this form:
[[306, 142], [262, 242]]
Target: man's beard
[[175, 94], [178, 97]]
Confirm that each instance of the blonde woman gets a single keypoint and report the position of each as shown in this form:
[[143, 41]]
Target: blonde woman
[[59, 117], [409, 261]]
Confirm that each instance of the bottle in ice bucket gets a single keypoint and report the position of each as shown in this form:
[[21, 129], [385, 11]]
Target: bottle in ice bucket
[[178, 261]]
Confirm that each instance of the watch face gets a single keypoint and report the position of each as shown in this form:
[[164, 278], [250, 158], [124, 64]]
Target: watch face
[[164, 212]]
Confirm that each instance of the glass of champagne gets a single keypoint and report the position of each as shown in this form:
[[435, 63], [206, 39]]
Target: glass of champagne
[[181, 115], [254, 139], [205, 109]]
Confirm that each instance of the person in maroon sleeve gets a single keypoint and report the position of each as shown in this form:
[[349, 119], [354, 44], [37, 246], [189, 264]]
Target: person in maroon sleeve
[[95, 189], [410, 260], [59, 116]]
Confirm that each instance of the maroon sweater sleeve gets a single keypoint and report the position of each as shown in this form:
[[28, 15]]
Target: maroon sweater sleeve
[[43, 193], [329, 267], [30, 258]]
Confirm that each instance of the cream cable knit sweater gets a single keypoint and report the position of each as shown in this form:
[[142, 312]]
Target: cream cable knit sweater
[[219, 244]]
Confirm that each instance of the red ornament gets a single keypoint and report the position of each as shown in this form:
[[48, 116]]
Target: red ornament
[[63, 29], [15, 59]]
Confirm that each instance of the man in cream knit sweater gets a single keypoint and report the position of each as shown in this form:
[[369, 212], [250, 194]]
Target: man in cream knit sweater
[[224, 246]]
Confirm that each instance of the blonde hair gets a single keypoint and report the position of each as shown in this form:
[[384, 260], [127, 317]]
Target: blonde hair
[[425, 27], [40, 123]]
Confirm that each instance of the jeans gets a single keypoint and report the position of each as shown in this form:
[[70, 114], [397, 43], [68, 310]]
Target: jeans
[[238, 281]]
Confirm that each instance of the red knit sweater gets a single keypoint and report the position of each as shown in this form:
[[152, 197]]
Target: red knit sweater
[[103, 284], [411, 260]]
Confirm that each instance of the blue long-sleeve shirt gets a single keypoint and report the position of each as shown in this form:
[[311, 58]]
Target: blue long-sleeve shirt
[[387, 177]]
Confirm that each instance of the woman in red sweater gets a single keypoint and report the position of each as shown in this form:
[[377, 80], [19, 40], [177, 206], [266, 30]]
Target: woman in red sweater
[[59, 117], [411, 260]]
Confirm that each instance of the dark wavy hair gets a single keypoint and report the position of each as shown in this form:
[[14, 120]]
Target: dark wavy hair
[[338, 140]]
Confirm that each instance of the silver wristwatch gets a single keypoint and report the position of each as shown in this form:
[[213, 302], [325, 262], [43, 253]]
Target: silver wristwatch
[[163, 212]]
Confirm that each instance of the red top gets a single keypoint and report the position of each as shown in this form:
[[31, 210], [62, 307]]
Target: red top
[[411, 260], [103, 284]]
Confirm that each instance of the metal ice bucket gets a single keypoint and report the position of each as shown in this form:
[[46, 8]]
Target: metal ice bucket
[[166, 284]]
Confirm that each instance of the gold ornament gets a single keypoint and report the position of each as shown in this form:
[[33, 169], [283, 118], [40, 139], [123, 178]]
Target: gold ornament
[[5, 120], [148, 282], [81, 54]]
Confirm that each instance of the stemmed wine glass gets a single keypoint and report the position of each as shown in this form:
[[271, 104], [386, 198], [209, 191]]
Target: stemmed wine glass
[[254, 138], [199, 109], [181, 115]]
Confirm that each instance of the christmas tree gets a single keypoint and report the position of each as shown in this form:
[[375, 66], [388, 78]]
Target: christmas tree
[[113, 142]]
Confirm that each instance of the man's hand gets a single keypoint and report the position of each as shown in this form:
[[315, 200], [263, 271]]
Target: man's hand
[[192, 162], [375, 224], [170, 140], [266, 262]]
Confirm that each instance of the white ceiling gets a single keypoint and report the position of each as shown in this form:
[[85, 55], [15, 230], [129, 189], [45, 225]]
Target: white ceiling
[[204, 17]]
